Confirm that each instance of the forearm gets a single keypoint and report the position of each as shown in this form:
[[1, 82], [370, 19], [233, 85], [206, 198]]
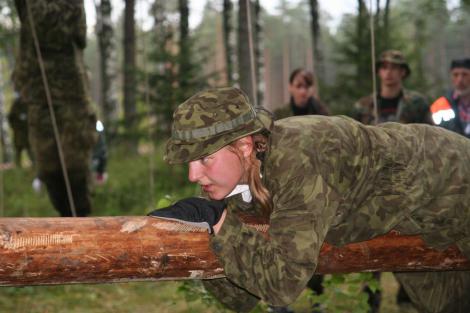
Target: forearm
[[260, 265], [230, 295]]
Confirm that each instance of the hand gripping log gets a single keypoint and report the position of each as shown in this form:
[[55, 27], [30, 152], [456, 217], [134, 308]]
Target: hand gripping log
[[46, 251]]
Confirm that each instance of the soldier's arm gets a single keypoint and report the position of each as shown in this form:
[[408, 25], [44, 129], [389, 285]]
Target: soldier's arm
[[425, 111], [358, 111], [229, 294], [277, 269]]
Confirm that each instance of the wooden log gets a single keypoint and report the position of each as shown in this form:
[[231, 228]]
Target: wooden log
[[45, 251]]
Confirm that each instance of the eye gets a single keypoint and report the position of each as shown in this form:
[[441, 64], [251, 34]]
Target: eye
[[206, 159]]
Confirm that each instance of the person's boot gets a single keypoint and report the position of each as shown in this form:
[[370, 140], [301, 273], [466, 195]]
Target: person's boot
[[402, 296]]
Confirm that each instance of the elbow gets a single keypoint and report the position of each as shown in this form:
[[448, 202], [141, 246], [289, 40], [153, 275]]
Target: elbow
[[286, 290]]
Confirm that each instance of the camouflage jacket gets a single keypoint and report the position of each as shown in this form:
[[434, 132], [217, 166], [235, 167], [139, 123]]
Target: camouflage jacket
[[61, 40], [412, 108], [60, 26], [348, 183]]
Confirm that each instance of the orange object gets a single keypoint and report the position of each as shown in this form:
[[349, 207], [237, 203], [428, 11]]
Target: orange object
[[441, 104]]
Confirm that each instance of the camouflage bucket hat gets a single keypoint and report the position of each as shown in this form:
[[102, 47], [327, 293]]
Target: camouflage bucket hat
[[210, 120], [394, 57]]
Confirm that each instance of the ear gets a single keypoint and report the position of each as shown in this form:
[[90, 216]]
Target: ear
[[290, 88], [245, 145], [402, 73]]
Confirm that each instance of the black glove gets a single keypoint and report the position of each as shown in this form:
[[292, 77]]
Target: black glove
[[195, 210]]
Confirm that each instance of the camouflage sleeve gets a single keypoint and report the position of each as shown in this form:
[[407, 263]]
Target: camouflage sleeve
[[363, 110], [277, 268], [424, 115], [230, 295], [357, 111], [417, 108]]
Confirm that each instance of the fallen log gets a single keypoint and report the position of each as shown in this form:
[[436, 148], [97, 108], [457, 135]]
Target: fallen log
[[46, 251]]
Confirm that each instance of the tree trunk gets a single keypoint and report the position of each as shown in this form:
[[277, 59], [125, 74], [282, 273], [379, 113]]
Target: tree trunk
[[227, 17], [129, 64], [47, 251], [386, 25], [316, 33], [244, 65], [6, 149], [184, 53], [363, 72], [107, 58]]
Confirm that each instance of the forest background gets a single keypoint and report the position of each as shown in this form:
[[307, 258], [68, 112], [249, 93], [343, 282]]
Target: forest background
[[140, 68]]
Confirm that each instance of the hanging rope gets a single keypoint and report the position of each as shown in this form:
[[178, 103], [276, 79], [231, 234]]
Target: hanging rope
[[252, 56], [374, 78], [51, 110]]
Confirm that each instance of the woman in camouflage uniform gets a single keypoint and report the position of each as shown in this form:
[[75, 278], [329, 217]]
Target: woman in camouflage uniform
[[317, 179]]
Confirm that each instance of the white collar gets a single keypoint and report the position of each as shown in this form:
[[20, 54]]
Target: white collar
[[244, 190]]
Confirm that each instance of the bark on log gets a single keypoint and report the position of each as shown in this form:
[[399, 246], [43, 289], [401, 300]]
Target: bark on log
[[46, 251]]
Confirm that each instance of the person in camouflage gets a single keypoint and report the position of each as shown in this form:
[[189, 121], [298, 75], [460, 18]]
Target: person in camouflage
[[302, 100], [395, 103], [61, 31], [347, 182], [18, 120]]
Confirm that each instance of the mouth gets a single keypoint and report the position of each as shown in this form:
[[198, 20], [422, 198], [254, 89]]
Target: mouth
[[206, 188]]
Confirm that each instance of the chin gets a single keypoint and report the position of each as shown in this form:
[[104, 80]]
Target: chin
[[218, 194]]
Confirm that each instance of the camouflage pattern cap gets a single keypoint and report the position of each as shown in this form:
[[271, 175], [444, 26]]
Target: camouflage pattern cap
[[210, 120], [394, 57]]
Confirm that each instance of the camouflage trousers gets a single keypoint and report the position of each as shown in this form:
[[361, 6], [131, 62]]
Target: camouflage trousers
[[21, 143], [76, 125], [438, 292], [56, 189]]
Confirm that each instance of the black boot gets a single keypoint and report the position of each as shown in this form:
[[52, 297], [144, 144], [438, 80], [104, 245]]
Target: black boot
[[402, 296]]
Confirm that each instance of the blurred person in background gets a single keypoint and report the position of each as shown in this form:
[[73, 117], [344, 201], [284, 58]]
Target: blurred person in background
[[394, 102], [452, 111], [302, 96]]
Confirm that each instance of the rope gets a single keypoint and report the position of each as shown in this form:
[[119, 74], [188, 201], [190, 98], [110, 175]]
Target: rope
[[252, 57], [51, 110], [374, 78]]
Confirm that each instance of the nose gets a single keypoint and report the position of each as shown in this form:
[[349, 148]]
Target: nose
[[194, 172]]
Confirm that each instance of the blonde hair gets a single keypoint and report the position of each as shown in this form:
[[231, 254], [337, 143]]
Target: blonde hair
[[253, 167]]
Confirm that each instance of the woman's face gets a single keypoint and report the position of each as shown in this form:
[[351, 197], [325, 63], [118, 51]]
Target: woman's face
[[218, 173], [300, 91]]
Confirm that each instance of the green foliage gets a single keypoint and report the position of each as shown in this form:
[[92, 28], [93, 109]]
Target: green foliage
[[193, 291], [345, 293], [174, 64], [9, 27]]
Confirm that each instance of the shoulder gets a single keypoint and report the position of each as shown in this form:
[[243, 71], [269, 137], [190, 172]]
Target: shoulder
[[282, 112], [414, 97], [364, 103]]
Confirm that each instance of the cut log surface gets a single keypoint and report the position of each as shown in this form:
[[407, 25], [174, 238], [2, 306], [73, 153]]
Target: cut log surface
[[47, 251]]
